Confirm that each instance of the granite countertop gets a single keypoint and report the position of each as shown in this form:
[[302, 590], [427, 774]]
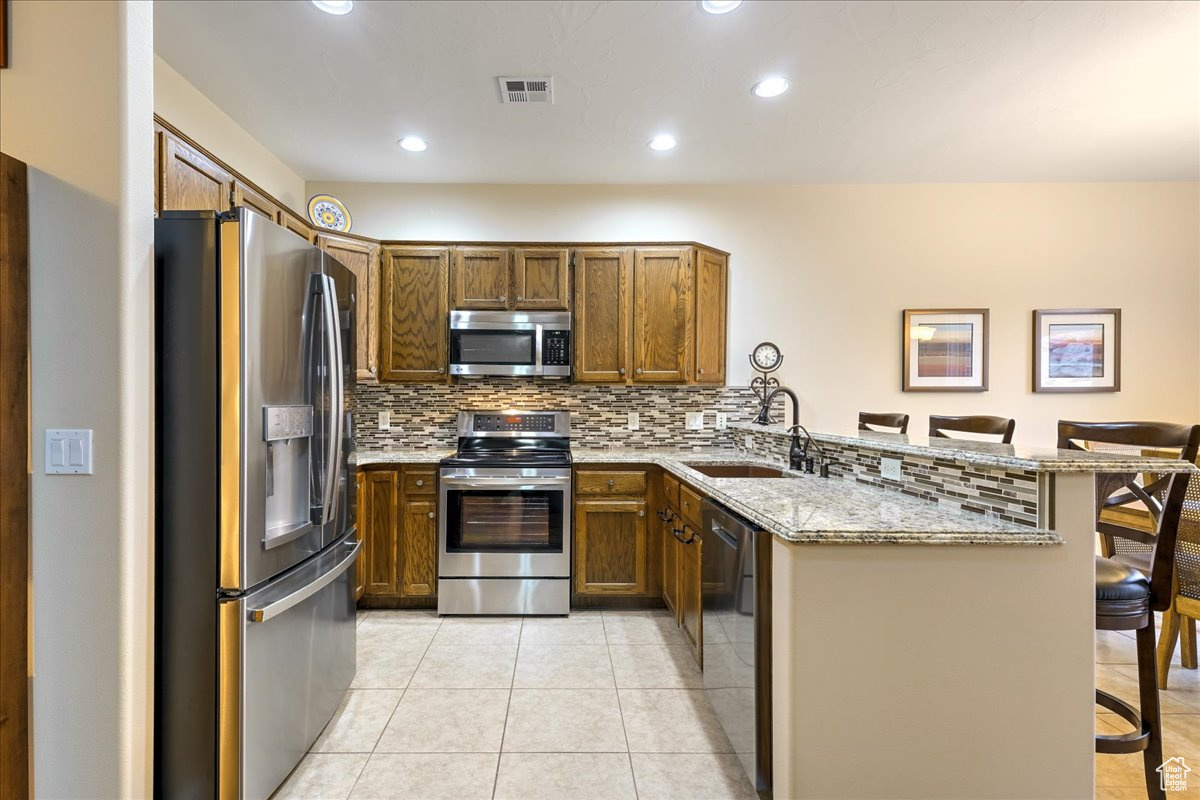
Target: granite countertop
[[1008, 456], [811, 510], [401, 455]]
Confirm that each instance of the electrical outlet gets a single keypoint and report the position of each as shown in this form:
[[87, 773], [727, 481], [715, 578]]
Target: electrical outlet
[[722, 420], [889, 468], [695, 420], [634, 421], [385, 420]]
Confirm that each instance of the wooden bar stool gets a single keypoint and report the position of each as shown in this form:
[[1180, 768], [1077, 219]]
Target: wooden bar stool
[[866, 419], [1126, 597], [995, 426]]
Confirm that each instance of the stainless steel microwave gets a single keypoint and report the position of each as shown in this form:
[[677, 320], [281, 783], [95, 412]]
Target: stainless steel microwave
[[524, 343]]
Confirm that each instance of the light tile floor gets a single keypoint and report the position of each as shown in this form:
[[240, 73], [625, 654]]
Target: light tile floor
[[585, 708]]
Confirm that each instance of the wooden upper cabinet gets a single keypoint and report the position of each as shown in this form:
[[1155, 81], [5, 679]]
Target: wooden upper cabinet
[[247, 197], [601, 323], [541, 280], [481, 278], [191, 181], [662, 315], [413, 324], [297, 226], [712, 271], [361, 258], [611, 547]]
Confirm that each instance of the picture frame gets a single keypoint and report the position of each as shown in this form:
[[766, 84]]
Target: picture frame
[[4, 33], [945, 349], [1077, 350]]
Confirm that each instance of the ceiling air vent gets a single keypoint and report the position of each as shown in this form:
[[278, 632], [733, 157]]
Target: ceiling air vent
[[526, 90]]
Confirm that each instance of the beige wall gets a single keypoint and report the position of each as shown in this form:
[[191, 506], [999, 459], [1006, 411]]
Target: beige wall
[[91, 301], [824, 271], [184, 106]]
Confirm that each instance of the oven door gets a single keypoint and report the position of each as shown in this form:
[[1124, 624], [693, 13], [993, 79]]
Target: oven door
[[508, 351], [504, 523]]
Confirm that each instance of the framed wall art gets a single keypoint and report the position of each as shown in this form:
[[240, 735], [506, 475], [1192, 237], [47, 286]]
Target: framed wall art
[[1077, 350], [946, 350]]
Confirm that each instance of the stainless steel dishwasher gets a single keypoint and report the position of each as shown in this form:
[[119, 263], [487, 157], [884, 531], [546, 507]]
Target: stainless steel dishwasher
[[736, 635]]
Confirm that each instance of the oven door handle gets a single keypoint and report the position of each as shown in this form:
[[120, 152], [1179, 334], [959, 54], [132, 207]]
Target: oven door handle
[[507, 483]]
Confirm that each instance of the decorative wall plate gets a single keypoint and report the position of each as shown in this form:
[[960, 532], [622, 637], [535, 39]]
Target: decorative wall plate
[[328, 212]]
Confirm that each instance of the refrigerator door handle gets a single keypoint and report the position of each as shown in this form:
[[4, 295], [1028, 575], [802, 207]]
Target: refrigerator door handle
[[337, 400], [281, 605]]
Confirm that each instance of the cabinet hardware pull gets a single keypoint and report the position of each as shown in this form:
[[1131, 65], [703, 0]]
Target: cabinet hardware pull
[[640, 370], [610, 483], [441, 370], [700, 371], [520, 298], [420, 482], [642, 513], [621, 371], [503, 298], [431, 515]]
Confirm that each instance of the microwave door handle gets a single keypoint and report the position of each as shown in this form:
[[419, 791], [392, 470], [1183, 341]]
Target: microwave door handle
[[336, 400], [537, 351]]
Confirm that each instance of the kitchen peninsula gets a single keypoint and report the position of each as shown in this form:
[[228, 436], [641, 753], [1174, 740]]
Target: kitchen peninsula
[[903, 625]]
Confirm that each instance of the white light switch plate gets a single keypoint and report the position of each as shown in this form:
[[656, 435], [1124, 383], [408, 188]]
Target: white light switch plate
[[722, 420], [695, 420], [68, 452], [634, 421], [749, 442], [889, 468], [385, 420]]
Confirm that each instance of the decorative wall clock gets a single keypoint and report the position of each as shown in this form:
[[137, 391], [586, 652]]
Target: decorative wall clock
[[329, 213], [765, 358]]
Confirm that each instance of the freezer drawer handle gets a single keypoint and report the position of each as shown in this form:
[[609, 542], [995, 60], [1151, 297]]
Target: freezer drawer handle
[[281, 605]]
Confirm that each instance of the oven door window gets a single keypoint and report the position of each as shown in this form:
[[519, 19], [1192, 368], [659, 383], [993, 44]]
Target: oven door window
[[492, 347], [504, 521]]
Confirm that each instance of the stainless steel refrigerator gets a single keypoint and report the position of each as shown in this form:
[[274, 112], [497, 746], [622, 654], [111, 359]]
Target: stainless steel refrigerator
[[255, 538]]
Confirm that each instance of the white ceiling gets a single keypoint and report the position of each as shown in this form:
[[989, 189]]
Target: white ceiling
[[881, 91]]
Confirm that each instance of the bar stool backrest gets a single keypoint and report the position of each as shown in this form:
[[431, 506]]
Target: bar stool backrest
[[995, 426], [867, 419]]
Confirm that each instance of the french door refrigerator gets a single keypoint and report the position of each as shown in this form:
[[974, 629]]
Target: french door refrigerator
[[255, 538]]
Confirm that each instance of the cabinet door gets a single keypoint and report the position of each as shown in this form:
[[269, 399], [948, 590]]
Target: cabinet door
[[379, 521], [360, 568], [361, 258], [689, 587], [413, 325], [601, 324], [540, 280], [712, 272], [670, 575], [298, 226], [191, 181], [246, 197], [419, 548], [610, 547], [662, 315], [481, 278]]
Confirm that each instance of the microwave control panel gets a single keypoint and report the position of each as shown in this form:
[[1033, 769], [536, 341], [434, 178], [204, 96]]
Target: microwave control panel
[[556, 348]]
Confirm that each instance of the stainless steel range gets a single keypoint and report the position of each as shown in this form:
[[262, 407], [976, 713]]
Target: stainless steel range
[[504, 530]]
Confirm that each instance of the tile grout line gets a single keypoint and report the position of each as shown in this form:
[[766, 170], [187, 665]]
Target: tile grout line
[[391, 716], [620, 710], [508, 708]]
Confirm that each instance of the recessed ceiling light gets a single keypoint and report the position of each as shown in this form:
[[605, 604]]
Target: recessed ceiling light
[[663, 141], [413, 144], [772, 87], [338, 7], [719, 6]]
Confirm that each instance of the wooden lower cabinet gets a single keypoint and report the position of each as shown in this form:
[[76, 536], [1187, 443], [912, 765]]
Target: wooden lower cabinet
[[670, 576], [398, 529], [689, 556], [611, 547]]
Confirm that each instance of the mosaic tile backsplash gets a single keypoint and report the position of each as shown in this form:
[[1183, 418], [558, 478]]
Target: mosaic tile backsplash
[[1010, 495], [425, 416]]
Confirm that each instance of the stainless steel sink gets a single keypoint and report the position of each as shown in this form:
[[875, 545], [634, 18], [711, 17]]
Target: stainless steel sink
[[737, 470]]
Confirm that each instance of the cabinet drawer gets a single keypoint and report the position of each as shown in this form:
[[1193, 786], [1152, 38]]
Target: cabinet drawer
[[419, 481], [671, 490], [591, 484], [689, 505]]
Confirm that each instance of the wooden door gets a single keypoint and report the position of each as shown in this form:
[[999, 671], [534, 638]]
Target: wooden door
[[670, 560], [610, 547], [191, 181], [360, 568], [712, 270], [379, 518], [297, 226], [662, 315], [361, 258], [247, 197], [689, 586], [413, 323], [540, 280], [481, 278], [419, 548], [601, 324]]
